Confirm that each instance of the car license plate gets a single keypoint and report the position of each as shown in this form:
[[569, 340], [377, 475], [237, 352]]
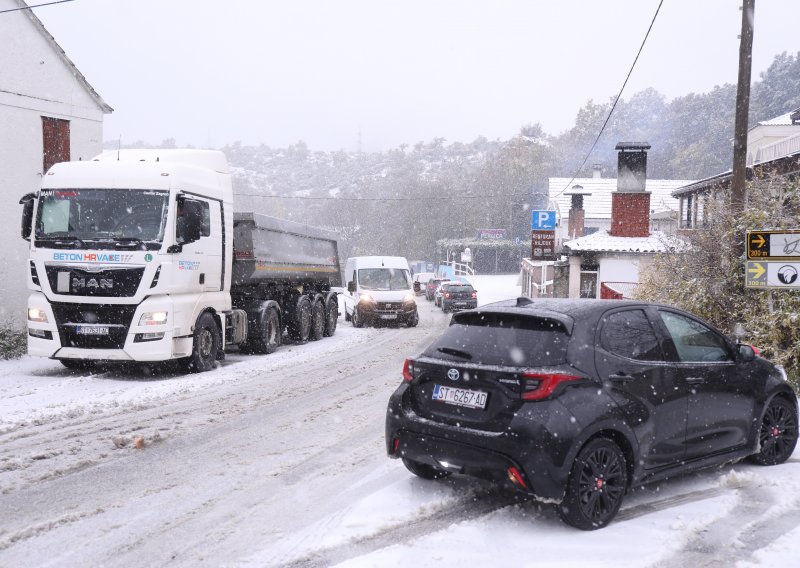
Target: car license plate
[[460, 397], [389, 316], [92, 330]]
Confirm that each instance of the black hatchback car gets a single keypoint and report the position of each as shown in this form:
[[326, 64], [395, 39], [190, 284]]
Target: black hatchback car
[[577, 401], [458, 296]]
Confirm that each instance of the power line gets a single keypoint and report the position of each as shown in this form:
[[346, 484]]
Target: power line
[[425, 198], [619, 95], [35, 6]]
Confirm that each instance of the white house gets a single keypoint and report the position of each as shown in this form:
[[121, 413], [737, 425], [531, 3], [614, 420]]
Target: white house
[[608, 262], [48, 113]]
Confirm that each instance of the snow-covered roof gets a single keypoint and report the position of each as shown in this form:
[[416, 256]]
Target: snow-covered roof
[[601, 241], [782, 120], [598, 204]]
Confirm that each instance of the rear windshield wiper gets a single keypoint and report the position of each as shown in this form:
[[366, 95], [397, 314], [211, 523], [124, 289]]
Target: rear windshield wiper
[[455, 352]]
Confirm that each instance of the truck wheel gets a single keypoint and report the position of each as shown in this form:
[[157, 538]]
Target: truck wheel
[[300, 324], [331, 317], [317, 320], [270, 338], [205, 345]]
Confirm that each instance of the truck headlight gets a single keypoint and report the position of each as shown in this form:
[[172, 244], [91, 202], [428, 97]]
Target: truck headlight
[[153, 318], [37, 315]]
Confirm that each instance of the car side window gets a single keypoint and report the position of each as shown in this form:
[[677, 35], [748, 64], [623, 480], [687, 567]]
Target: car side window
[[694, 341], [629, 334]]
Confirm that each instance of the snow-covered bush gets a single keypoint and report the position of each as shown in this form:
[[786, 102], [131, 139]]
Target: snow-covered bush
[[709, 278], [13, 342]]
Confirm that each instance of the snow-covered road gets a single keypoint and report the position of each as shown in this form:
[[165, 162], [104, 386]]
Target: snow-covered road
[[279, 460]]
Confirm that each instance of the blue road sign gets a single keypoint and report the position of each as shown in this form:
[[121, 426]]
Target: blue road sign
[[543, 220]]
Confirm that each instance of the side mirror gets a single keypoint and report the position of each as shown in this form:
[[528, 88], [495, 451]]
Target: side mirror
[[28, 200], [351, 286], [746, 353]]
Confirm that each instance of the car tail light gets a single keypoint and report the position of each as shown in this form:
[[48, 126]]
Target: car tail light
[[474, 295], [541, 385], [516, 477], [408, 371], [447, 294]]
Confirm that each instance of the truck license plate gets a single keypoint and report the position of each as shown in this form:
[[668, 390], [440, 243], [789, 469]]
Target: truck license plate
[[460, 397], [92, 330]]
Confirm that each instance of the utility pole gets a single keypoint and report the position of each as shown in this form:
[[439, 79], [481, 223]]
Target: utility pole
[[742, 109]]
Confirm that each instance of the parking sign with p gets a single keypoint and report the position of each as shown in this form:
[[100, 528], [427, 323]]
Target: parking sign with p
[[543, 220]]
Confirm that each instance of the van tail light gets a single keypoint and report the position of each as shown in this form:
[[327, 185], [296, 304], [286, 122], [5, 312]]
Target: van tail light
[[408, 371], [541, 385]]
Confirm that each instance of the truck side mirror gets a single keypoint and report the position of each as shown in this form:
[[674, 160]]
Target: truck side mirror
[[189, 222], [351, 286], [27, 202]]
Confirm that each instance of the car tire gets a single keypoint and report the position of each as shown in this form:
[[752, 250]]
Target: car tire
[[317, 320], [300, 325], [596, 486], [357, 321], [424, 471], [777, 436], [331, 316], [205, 344]]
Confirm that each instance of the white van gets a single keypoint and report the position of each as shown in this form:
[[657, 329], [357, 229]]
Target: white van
[[379, 288]]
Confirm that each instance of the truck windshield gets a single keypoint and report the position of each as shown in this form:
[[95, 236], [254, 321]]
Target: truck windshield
[[384, 279], [101, 218]]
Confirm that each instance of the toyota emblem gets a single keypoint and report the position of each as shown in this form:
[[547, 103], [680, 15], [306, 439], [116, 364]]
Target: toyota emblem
[[453, 374]]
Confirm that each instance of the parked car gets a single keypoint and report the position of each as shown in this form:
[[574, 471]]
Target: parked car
[[577, 401], [437, 296], [458, 296], [420, 281], [431, 286]]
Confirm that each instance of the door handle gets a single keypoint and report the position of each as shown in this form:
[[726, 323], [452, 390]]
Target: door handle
[[695, 380], [620, 378]]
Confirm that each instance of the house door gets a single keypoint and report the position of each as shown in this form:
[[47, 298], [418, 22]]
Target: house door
[[55, 142]]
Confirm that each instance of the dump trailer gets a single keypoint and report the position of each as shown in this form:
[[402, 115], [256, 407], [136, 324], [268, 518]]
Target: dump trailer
[[137, 255]]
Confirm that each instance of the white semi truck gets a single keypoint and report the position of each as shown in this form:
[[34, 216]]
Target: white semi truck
[[137, 255]]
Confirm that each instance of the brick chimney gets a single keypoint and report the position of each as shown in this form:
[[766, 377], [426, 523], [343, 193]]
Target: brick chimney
[[630, 203], [577, 215]]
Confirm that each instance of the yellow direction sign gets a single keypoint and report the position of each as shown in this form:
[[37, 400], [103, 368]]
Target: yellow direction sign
[[772, 275], [774, 245]]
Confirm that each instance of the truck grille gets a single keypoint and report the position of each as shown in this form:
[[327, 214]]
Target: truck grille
[[69, 317], [111, 283]]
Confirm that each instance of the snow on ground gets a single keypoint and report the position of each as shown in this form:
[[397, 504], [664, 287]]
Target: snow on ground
[[280, 461]]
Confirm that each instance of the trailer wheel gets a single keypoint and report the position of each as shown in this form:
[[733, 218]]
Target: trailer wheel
[[317, 320], [331, 317], [205, 344], [300, 324], [270, 337]]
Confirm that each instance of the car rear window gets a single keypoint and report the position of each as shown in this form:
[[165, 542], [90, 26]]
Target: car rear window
[[502, 339], [459, 287]]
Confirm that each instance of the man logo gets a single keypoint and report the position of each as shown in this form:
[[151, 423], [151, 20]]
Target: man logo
[[453, 374]]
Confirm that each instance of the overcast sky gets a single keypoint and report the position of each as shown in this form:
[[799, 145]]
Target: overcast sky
[[209, 73]]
